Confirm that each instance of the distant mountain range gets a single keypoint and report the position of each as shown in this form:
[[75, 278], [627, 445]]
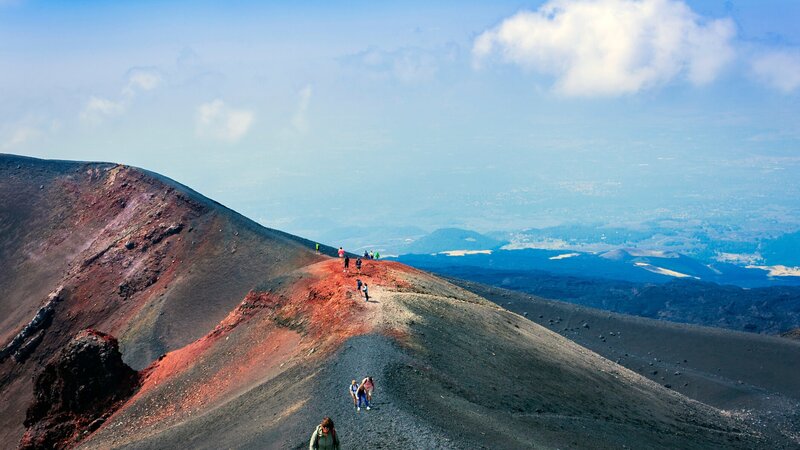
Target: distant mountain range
[[671, 248], [631, 265]]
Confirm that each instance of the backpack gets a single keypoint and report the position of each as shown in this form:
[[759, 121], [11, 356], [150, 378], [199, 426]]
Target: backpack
[[319, 431]]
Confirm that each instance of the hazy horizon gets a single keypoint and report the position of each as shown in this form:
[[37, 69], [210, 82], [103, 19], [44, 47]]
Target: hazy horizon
[[492, 116]]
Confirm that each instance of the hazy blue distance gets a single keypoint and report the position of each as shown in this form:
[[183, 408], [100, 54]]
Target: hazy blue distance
[[371, 114]]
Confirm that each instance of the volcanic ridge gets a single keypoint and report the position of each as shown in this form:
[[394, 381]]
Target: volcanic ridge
[[232, 335]]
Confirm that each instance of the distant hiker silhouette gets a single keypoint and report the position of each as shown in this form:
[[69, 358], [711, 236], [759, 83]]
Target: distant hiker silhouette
[[365, 290], [358, 264], [341, 252], [377, 255], [346, 264], [354, 392], [358, 287], [371, 255], [366, 255], [324, 437], [316, 247]]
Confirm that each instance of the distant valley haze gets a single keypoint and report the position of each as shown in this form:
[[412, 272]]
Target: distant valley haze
[[308, 118]]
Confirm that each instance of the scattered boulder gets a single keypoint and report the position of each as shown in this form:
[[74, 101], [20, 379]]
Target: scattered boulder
[[77, 390]]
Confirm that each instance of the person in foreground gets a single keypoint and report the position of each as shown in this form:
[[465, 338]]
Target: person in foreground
[[324, 436]]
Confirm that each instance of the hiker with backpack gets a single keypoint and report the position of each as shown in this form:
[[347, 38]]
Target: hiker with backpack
[[324, 437], [358, 286], [341, 252], [358, 264], [365, 290], [346, 264]]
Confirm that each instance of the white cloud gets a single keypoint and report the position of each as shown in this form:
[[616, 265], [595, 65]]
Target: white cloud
[[142, 79], [408, 64], [779, 69], [217, 121], [97, 109], [611, 47], [20, 136], [300, 118]]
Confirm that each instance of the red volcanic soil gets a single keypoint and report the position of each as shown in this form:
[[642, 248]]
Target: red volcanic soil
[[303, 318], [245, 338], [127, 252]]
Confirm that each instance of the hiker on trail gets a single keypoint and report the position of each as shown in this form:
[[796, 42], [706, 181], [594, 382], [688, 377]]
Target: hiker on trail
[[341, 252], [371, 254], [346, 264], [358, 264], [324, 437], [361, 392], [354, 392], [316, 247], [358, 287], [377, 255], [366, 292], [366, 255], [369, 386]]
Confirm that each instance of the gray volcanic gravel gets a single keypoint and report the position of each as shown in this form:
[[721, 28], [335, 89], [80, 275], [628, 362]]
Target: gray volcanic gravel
[[386, 425]]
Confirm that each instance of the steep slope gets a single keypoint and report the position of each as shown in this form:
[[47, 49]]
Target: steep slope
[[453, 371], [122, 250], [244, 338], [754, 376]]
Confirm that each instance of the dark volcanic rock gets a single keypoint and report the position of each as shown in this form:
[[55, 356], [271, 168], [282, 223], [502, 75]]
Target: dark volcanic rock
[[792, 334], [78, 389], [31, 334]]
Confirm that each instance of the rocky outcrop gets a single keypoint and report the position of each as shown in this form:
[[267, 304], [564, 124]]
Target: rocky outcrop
[[31, 334], [792, 334], [77, 391]]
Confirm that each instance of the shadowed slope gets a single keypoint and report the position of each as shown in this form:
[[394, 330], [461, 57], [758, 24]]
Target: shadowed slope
[[128, 253], [753, 375]]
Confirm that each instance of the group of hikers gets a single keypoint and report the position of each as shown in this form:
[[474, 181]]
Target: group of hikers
[[347, 264], [324, 436], [362, 393], [367, 254], [361, 287]]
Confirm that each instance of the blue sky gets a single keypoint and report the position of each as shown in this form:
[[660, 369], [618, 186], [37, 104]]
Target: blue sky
[[488, 115]]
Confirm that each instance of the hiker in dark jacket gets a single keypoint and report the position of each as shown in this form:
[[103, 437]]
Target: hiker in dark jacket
[[324, 437]]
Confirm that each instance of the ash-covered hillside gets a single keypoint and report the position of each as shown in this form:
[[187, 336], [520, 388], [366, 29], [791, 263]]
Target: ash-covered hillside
[[244, 337]]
